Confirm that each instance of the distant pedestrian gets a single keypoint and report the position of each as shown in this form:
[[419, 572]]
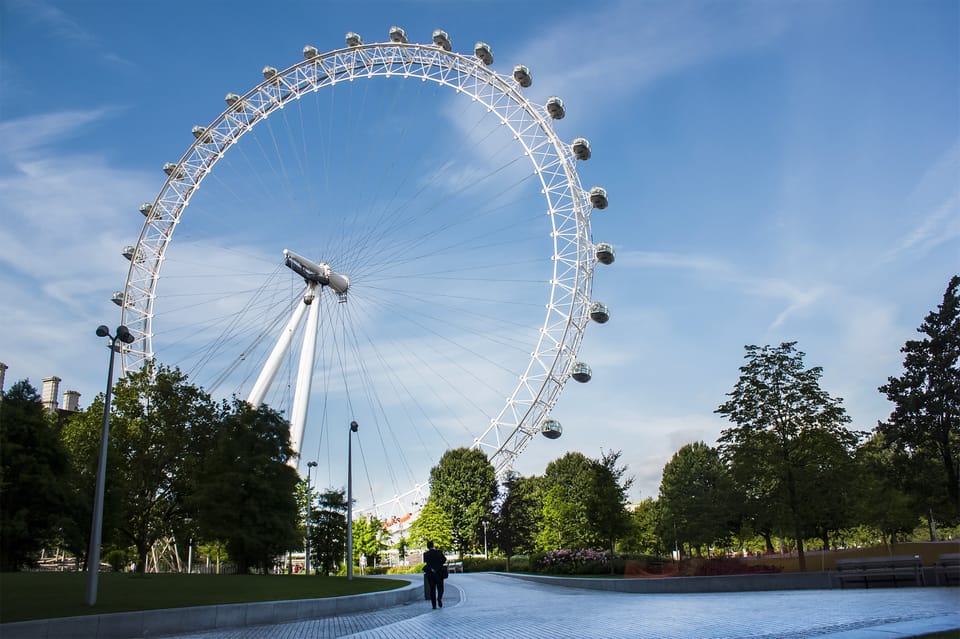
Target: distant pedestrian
[[435, 570]]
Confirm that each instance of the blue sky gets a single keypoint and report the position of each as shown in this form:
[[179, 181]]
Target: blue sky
[[777, 172]]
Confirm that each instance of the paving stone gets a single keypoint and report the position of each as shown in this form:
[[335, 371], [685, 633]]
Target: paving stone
[[501, 607]]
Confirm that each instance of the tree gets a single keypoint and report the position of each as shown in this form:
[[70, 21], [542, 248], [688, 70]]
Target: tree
[[696, 497], [566, 493], [464, 485], [644, 524], [774, 406], [159, 427], [246, 489], [369, 537], [925, 423], [880, 500], [328, 532], [607, 511], [33, 467], [432, 524], [518, 518]]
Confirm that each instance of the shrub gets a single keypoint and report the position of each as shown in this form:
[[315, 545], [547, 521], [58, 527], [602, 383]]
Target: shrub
[[479, 564], [703, 567], [576, 562]]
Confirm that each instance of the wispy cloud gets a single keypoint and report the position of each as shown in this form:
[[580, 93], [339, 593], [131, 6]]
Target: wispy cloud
[[67, 30], [721, 272], [26, 136], [613, 52], [935, 204]]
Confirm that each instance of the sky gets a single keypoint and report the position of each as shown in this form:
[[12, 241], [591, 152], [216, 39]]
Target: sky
[[777, 171]]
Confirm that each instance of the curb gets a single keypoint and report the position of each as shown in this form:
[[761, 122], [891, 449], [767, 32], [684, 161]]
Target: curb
[[725, 583], [171, 621]]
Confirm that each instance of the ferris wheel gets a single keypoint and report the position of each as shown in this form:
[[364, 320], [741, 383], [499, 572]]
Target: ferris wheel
[[437, 241]]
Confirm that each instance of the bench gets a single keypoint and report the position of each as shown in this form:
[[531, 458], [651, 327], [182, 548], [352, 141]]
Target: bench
[[903, 569], [455, 566], [948, 567]]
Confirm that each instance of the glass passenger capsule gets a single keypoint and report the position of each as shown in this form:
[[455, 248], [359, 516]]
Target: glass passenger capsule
[[605, 253], [551, 429], [599, 313], [598, 197], [581, 372]]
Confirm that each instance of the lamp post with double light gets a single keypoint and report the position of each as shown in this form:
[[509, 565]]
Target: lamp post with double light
[[353, 428], [306, 556], [96, 527]]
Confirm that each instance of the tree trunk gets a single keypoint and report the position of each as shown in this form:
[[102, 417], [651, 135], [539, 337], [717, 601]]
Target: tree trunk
[[768, 539], [802, 559]]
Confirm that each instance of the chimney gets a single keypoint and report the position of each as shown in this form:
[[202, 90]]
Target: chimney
[[3, 373], [71, 401], [51, 393]]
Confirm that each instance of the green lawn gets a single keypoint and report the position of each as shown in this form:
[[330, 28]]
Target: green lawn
[[41, 595]]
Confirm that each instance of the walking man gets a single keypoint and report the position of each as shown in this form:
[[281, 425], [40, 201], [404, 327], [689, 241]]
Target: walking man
[[435, 570]]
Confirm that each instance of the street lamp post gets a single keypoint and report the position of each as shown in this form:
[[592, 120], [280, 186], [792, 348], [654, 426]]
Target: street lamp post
[[96, 527], [485, 556], [353, 428], [306, 556]]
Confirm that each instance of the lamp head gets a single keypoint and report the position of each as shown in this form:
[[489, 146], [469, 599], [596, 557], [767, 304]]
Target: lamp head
[[311, 464], [354, 426], [102, 331], [123, 334]]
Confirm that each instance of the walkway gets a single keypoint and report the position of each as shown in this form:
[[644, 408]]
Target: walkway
[[496, 606]]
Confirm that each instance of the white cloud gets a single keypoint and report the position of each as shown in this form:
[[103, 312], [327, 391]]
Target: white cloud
[[599, 57]]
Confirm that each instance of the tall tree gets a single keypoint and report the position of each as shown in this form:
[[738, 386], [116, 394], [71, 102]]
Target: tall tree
[[880, 500], [607, 510], [432, 524], [645, 523], [246, 489], [369, 538], [464, 485], [159, 425], [925, 423], [773, 406], [566, 492], [696, 497], [33, 467], [518, 518], [328, 531]]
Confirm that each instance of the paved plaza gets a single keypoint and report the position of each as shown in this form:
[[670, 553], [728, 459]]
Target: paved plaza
[[497, 606]]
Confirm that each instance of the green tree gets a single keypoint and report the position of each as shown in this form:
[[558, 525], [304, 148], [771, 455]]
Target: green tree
[[696, 497], [463, 484], [644, 526], [879, 499], [607, 508], [159, 428], [432, 524], [328, 531], [773, 406], [369, 537], [33, 467], [246, 490], [925, 423], [518, 518], [566, 492]]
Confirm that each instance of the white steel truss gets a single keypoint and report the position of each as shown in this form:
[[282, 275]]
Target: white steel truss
[[567, 205]]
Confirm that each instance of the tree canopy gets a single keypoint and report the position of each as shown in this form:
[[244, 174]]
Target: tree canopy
[[925, 422], [784, 422], [246, 489], [33, 469], [464, 486]]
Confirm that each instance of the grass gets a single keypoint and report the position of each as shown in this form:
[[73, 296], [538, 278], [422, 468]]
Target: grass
[[44, 595]]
